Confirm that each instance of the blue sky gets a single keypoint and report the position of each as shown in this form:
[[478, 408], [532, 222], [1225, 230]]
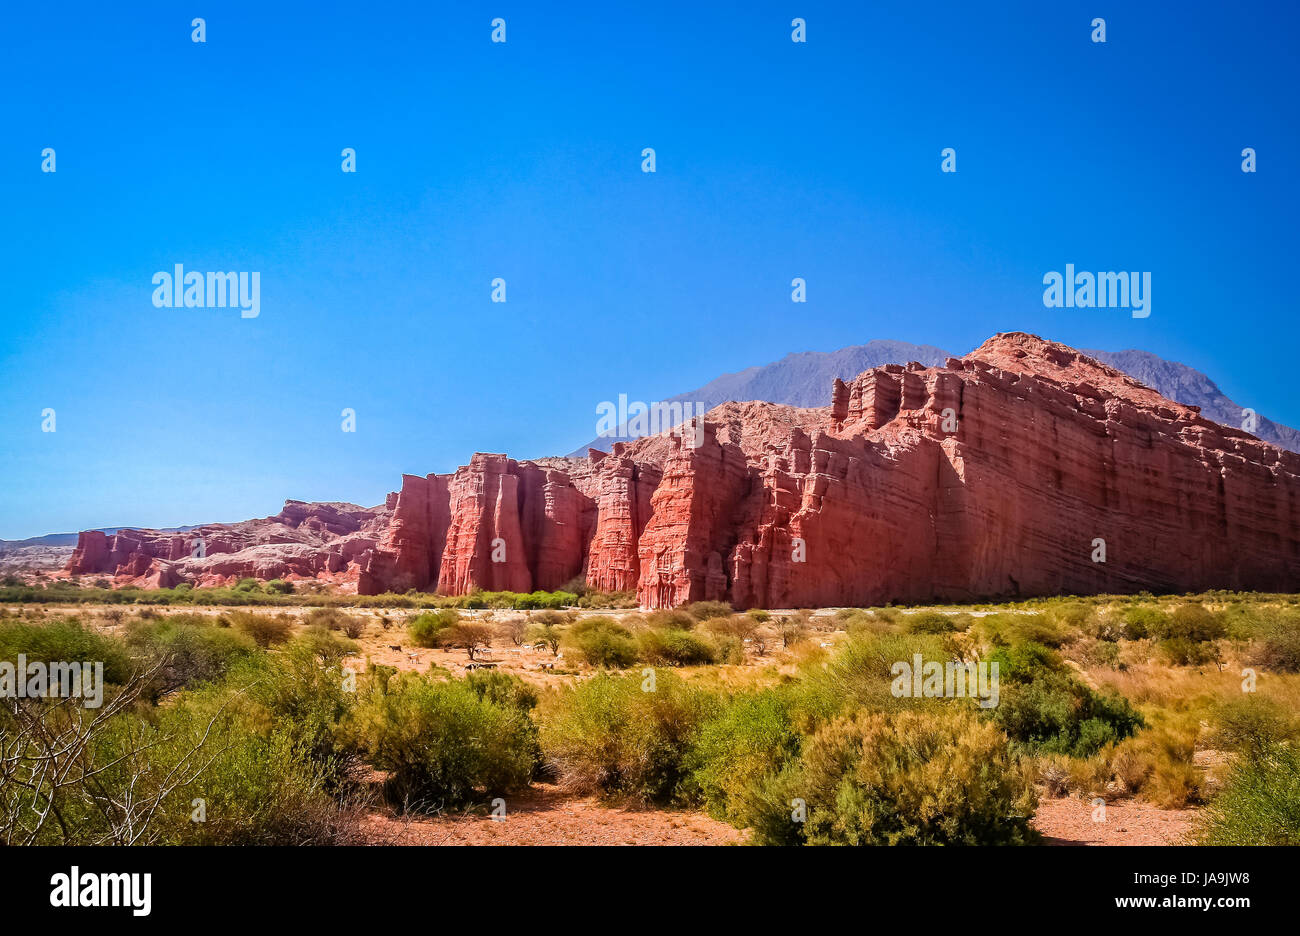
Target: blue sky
[[522, 160]]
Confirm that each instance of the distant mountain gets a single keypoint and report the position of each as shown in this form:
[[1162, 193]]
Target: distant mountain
[[804, 379], [1182, 384], [70, 539], [799, 379]]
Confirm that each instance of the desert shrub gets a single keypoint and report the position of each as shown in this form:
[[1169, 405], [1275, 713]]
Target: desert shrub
[[1045, 709], [743, 747], [324, 644], [544, 633], [551, 618], [248, 585], [939, 776], [888, 615], [1071, 616], [65, 640], [468, 635], [759, 615], [1183, 651], [733, 625], [265, 629], [331, 618], [602, 641], [1094, 652], [790, 630], [1251, 726], [541, 599], [609, 736], [928, 622], [599, 599], [503, 689], [1005, 629], [257, 746], [278, 587], [676, 618], [514, 629], [444, 744], [255, 774], [861, 674], [1278, 643], [1189, 622], [1259, 803], [1143, 621], [188, 653], [1089, 776], [863, 624], [424, 628], [703, 610], [730, 649], [269, 783], [1159, 764], [671, 647]]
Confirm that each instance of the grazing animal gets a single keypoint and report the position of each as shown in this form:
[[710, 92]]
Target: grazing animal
[[397, 648]]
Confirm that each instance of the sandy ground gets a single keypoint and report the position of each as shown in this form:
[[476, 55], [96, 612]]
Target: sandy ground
[[544, 815], [1069, 821]]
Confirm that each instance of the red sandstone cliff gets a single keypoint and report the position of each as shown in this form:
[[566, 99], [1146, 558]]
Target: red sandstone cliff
[[990, 477]]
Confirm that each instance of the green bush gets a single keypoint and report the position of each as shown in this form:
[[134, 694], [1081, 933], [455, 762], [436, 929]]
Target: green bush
[[703, 610], [602, 641], [1259, 803], [743, 747], [189, 653], [675, 618], [1044, 709], [262, 628], [1183, 651], [324, 644], [67, 641], [1191, 622], [503, 689], [424, 629], [277, 587], [1277, 644], [608, 735], [928, 622], [444, 744], [671, 647], [1072, 616], [861, 675], [1252, 726], [939, 776], [1007, 628], [1143, 621]]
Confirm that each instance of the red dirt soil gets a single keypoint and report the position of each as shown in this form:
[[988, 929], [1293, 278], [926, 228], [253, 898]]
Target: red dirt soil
[[544, 815]]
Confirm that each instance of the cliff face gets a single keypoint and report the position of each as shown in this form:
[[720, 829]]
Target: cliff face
[[1001, 474], [304, 541]]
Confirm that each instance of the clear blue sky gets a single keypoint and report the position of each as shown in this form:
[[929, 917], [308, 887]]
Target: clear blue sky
[[522, 160]]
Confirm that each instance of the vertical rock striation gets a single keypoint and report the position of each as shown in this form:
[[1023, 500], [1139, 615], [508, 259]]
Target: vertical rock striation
[[998, 475]]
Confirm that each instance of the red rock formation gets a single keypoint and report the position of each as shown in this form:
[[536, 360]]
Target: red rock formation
[[622, 490], [994, 476], [323, 540]]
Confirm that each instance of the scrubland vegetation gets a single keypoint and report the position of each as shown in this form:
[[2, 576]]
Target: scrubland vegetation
[[279, 724]]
